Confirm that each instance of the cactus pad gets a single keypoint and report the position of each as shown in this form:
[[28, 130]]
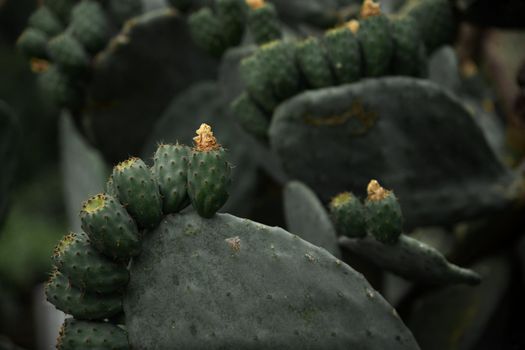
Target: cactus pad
[[230, 283]]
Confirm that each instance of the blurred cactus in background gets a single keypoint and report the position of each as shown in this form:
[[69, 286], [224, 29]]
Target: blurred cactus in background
[[167, 143]]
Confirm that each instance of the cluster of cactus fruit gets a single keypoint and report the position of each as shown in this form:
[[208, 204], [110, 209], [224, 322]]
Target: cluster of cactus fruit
[[372, 46], [380, 216], [90, 272], [64, 36]]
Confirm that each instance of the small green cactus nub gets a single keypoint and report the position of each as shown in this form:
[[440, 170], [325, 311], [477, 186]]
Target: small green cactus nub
[[60, 88], [409, 50], [138, 190], [209, 174], [263, 23], [254, 74], [110, 228], [344, 54], [313, 63], [46, 21], [231, 15], [170, 169], [383, 214], [75, 334], [205, 29], [69, 54], [121, 11], [89, 24], [86, 268], [83, 306], [348, 215], [250, 116], [33, 43], [61, 8]]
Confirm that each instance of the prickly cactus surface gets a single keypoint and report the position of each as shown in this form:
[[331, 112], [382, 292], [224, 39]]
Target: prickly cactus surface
[[313, 62], [209, 174], [110, 228], [383, 214], [86, 335], [263, 23], [82, 305], [232, 283], [344, 54], [348, 214], [86, 268], [170, 169], [90, 25], [138, 191]]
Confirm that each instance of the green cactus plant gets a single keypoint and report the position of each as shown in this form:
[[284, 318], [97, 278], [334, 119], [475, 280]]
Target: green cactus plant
[[166, 281]]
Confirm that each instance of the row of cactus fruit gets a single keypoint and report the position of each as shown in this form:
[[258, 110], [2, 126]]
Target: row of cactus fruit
[[90, 272], [157, 267]]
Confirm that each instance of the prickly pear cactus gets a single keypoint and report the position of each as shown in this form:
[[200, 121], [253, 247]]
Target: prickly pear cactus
[[387, 129], [193, 284]]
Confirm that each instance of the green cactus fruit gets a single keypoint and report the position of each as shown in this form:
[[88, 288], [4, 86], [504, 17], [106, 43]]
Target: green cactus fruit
[[46, 21], [313, 63], [231, 15], [61, 8], [250, 116], [33, 43], [257, 80], [435, 21], [375, 39], [110, 228], [83, 306], [262, 21], [205, 30], [124, 10], [383, 214], [209, 174], [68, 53], [138, 190], [89, 24], [344, 54], [409, 51], [60, 88], [280, 66], [348, 215], [170, 169], [86, 268], [86, 335]]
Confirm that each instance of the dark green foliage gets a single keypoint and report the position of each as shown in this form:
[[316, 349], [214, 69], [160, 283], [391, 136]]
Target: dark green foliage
[[85, 335], [313, 63], [263, 24], [110, 228], [383, 215], [344, 55], [209, 175], [138, 191], [435, 21], [231, 15], [33, 43], [376, 44], [170, 169], [409, 51], [89, 25], [280, 68], [250, 116], [348, 215], [205, 30], [255, 75], [46, 21], [61, 89], [124, 10], [83, 306], [236, 284], [86, 268], [69, 54]]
